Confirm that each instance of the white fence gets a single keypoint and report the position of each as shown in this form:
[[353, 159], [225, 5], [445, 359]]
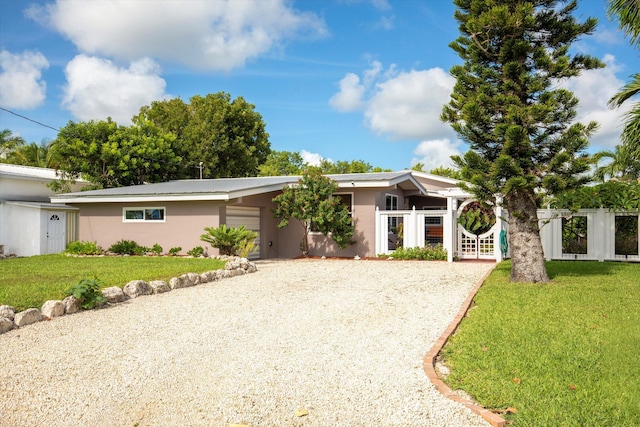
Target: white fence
[[590, 234]]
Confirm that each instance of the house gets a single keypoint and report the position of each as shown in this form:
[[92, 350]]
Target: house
[[29, 223], [387, 208]]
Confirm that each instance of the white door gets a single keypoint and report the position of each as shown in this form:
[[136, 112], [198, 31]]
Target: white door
[[250, 218], [56, 231]]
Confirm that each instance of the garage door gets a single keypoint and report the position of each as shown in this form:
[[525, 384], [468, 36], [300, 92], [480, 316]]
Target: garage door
[[250, 218]]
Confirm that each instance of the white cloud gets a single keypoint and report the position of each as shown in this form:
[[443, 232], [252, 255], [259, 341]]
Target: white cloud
[[97, 88], [312, 159], [21, 84], [435, 153], [594, 88], [408, 105], [350, 96], [401, 105], [203, 34]]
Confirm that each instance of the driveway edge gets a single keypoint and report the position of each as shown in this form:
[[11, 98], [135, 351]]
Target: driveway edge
[[429, 362]]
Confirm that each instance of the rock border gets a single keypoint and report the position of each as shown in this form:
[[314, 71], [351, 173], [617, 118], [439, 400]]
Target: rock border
[[234, 266]]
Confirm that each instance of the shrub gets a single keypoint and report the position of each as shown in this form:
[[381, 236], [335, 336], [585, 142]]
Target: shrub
[[83, 248], [427, 253], [88, 292], [230, 240], [196, 252], [124, 247], [156, 249], [175, 250]]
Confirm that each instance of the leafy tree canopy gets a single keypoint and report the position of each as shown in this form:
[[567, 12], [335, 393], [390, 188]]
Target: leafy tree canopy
[[519, 123], [614, 195], [38, 155], [109, 155], [227, 136], [312, 203], [282, 163], [9, 142]]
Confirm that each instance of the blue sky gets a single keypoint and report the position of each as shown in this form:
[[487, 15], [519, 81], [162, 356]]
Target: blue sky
[[337, 79]]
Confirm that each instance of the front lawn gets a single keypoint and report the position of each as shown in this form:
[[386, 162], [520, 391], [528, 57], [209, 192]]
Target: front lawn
[[565, 353], [29, 282]]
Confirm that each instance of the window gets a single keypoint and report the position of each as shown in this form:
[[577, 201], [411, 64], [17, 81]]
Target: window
[[391, 204], [143, 214]]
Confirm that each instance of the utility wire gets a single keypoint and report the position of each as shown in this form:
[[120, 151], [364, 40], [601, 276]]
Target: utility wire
[[31, 120]]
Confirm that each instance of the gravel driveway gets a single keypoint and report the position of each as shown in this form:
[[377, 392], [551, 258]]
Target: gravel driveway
[[342, 340]]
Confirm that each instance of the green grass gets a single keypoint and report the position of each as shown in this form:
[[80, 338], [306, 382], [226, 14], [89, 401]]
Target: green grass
[[565, 353], [29, 282]]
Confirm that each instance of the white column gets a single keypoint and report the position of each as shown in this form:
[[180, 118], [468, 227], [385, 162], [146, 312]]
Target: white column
[[378, 233], [498, 228], [448, 228]]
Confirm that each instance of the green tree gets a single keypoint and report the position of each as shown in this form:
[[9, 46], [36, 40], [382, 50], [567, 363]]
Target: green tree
[[313, 204], [38, 155], [9, 142], [418, 167], [519, 124], [624, 164], [228, 137], [625, 161], [282, 163], [446, 172], [109, 155]]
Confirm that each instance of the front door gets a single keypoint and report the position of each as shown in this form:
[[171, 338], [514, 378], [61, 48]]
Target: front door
[[56, 231]]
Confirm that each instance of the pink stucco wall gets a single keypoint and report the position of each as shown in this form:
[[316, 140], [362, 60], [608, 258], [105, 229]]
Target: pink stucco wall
[[184, 223]]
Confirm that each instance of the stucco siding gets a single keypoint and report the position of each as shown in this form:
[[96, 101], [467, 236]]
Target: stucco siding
[[183, 225]]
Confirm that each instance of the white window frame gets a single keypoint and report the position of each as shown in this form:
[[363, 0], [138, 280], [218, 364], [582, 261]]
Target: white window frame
[[144, 209]]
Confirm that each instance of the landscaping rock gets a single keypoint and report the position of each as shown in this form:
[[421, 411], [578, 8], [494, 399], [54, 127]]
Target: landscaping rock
[[7, 311], [222, 274], [232, 264], [71, 304], [208, 276], [137, 288], [52, 309], [159, 286], [27, 317], [195, 278], [6, 325], [113, 294], [182, 281]]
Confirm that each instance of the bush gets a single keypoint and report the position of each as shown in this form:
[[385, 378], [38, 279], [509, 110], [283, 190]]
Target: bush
[[427, 253], [88, 292], [175, 250], [127, 247], [156, 249], [83, 248], [230, 240], [196, 252]]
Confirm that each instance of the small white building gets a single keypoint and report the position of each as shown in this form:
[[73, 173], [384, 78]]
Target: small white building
[[29, 223]]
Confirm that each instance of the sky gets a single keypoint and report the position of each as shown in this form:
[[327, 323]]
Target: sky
[[332, 79]]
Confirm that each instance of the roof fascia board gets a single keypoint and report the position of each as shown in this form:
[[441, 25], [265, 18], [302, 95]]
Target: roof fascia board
[[142, 198]]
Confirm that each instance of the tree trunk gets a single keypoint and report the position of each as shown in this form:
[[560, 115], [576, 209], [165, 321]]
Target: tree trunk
[[527, 257], [304, 245]]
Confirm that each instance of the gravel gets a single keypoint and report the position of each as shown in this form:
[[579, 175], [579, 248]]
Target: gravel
[[340, 340]]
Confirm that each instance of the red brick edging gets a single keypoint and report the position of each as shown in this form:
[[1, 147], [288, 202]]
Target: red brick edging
[[430, 360]]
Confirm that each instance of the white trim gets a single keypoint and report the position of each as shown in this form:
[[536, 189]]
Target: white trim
[[144, 209], [142, 198]]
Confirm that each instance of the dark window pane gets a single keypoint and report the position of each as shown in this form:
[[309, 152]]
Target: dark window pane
[[626, 235], [574, 235]]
